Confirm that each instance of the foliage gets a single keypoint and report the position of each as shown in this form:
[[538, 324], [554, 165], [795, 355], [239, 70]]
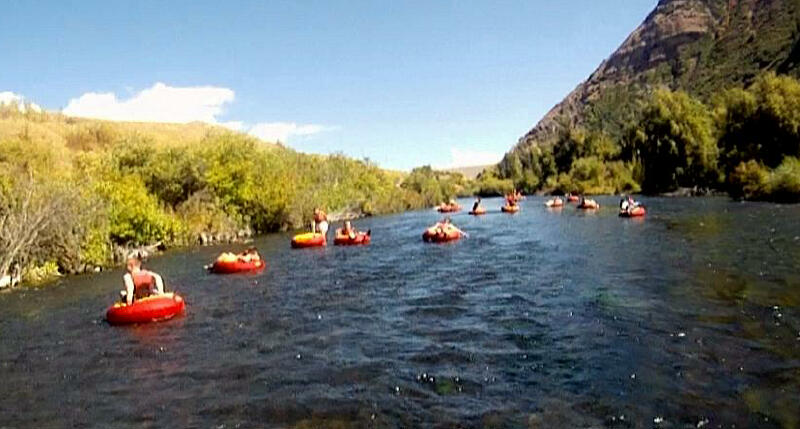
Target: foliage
[[751, 136], [489, 184], [748, 180], [591, 175], [93, 186], [675, 144], [436, 186], [40, 220], [135, 216], [784, 182], [762, 122], [753, 180]]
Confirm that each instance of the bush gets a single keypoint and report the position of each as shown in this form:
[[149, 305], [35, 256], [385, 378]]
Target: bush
[[489, 185], [748, 180], [436, 186], [674, 143], [784, 182], [753, 180], [761, 122], [135, 216], [590, 175]]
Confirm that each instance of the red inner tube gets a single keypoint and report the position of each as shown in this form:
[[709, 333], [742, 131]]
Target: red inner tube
[[440, 237], [510, 209], [635, 212], [480, 211], [232, 267], [345, 240], [146, 310]]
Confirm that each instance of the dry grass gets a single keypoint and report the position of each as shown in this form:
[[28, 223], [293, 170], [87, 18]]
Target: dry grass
[[90, 134]]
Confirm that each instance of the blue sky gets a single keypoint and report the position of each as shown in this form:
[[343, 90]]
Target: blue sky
[[404, 83]]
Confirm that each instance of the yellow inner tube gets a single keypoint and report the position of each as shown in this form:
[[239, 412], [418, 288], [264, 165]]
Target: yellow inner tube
[[308, 236]]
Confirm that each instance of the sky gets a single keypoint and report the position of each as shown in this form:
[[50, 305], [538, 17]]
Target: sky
[[403, 83]]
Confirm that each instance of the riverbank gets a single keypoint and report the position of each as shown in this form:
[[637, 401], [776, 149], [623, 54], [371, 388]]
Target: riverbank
[[76, 193]]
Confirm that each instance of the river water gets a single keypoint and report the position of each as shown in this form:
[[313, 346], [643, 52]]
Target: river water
[[546, 318]]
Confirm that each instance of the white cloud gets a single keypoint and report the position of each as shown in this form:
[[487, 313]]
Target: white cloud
[[8, 97], [164, 103], [159, 103], [282, 131], [471, 158]]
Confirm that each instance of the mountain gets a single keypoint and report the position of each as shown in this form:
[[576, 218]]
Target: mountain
[[699, 46], [470, 172]]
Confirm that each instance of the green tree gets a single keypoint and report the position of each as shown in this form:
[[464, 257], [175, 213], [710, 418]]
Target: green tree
[[761, 123], [674, 143]]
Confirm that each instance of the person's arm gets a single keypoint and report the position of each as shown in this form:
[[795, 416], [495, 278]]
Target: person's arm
[[128, 281], [159, 283]]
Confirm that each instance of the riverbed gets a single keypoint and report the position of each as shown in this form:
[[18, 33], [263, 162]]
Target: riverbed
[[546, 318]]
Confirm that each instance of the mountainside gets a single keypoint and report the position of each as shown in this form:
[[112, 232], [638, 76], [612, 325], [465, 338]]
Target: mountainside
[[703, 95], [699, 46]]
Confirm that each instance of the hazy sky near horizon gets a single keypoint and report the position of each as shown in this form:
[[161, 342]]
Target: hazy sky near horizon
[[404, 83]]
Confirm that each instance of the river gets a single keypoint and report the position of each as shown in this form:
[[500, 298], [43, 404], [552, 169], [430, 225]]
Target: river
[[546, 318]]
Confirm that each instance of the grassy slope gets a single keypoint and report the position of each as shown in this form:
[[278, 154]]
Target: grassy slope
[[87, 134]]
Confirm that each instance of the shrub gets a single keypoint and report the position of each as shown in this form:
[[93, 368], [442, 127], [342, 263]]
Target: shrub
[[784, 182], [748, 180], [135, 216], [674, 142]]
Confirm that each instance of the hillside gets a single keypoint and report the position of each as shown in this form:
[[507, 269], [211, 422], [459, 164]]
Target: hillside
[[470, 172], [700, 46], [90, 134], [76, 194], [702, 95]]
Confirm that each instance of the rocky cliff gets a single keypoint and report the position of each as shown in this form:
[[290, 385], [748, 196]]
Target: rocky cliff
[[696, 45]]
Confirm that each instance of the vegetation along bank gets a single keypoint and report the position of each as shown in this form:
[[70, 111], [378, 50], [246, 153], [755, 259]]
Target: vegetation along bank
[[76, 194]]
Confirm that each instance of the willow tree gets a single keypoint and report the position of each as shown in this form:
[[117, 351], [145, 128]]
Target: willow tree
[[674, 142]]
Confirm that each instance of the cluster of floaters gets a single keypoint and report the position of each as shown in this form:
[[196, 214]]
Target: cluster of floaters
[[165, 306]]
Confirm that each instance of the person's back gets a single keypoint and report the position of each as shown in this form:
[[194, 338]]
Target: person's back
[[140, 283], [348, 230], [320, 223], [477, 205], [144, 284]]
